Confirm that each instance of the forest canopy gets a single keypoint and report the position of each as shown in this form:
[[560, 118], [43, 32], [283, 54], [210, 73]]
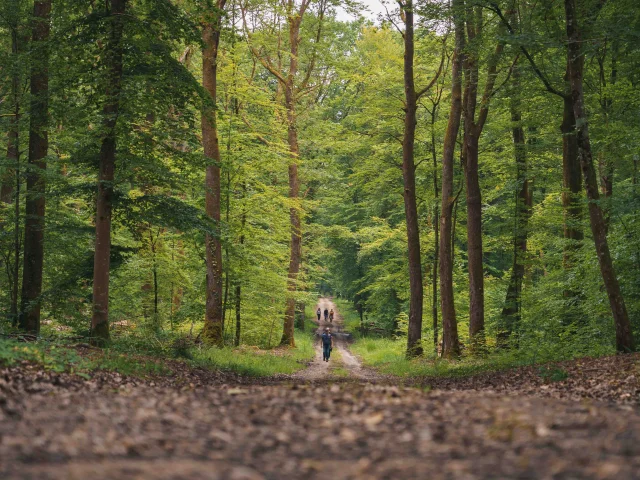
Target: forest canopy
[[464, 173]]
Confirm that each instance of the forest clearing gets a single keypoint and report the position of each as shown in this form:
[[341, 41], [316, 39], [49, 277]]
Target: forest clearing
[[246, 239]]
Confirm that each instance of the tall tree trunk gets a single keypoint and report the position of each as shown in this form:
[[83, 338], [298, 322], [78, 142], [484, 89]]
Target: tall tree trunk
[[11, 180], [606, 166], [238, 282], [16, 249], [511, 310], [571, 182], [13, 140], [472, 129], [38, 147], [113, 62], [294, 184], [414, 345], [213, 322], [436, 228], [451, 345], [624, 335], [238, 335], [474, 240]]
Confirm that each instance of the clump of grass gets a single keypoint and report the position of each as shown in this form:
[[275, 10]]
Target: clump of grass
[[350, 316], [336, 367], [388, 356], [552, 374], [256, 362], [141, 355], [64, 358]]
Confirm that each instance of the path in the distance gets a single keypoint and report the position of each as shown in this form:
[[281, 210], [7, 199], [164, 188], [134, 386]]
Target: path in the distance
[[341, 357]]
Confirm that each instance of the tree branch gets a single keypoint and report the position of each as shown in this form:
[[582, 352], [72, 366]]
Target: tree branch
[[435, 79], [539, 74]]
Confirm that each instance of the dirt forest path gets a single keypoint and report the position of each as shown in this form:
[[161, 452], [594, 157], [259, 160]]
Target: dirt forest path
[[343, 363], [210, 425]]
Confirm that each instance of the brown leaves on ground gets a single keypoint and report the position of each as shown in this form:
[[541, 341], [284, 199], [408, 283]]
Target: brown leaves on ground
[[608, 379], [206, 425]]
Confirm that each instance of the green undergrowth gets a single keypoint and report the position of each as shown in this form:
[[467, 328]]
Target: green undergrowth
[[142, 355], [388, 356], [349, 315], [255, 362], [61, 357], [336, 367]]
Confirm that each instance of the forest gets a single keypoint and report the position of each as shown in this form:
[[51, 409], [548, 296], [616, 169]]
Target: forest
[[201, 200], [465, 174]]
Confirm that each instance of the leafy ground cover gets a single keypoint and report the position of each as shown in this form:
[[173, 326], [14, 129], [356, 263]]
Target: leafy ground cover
[[141, 356]]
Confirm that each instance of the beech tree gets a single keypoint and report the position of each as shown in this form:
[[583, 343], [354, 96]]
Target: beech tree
[[624, 336], [450, 342], [113, 63], [472, 129], [38, 149], [286, 74], [214, 320], [412, 96], [294, 125]]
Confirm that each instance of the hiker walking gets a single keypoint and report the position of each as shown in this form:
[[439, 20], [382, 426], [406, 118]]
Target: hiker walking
[[331, 316], [327, 344], [326, 314], [318, 312]]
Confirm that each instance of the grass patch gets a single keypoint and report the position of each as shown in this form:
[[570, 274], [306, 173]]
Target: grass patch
[[66, 358], [552, 374], [255, 362], [141, 355], [349, 315], [336, 367], [388, 355]]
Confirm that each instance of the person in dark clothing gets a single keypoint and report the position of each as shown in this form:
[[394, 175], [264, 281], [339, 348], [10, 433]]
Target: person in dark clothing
[[326, 314], [319, 312], [327, 344]]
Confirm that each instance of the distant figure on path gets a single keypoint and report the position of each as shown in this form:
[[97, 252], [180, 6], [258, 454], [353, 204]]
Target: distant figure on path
[[319, 312], [326, 314], [331, 315], [327, 344]]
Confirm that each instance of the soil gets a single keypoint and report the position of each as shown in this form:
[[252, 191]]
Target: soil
[[342, 359], [209, 425]]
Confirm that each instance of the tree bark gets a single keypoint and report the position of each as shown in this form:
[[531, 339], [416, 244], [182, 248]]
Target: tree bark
[[436, 228], [214, 321], [8, 179], [113, 62], [451, 344], [624, 335], [38, 148], [238, 282], [512, 306], [10, 190], [294, 184], [571, 182], [414, 345], [13, 140], [472, 129]]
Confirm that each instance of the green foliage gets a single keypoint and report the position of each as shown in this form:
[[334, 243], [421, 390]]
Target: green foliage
[[552, 374], [255, 362], [349, 124], [60, 357]]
